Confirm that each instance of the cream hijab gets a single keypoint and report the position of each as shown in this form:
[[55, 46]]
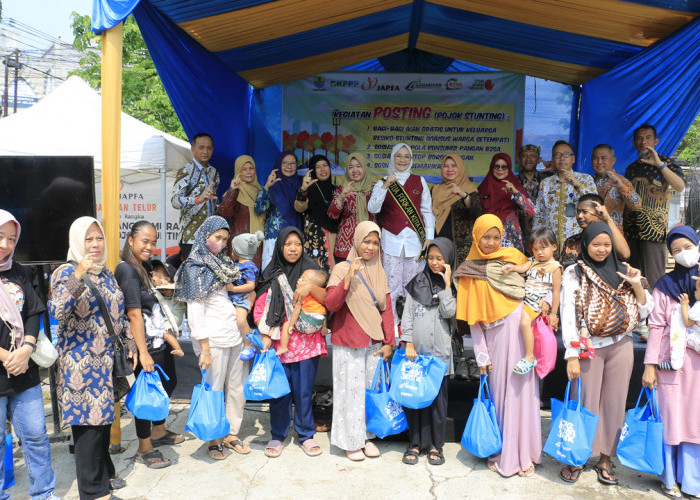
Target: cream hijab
[[248, 192], [443, 199], [76, 242], [359, 300]]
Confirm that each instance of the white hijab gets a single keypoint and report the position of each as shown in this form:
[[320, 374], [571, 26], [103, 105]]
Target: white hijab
[[400, 176], [76, 242]]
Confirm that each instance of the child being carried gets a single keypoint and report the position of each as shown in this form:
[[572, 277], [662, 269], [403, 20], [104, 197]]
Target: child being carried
[[308, 315]]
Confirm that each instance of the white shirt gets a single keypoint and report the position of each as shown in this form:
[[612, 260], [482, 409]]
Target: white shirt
[[407, 240], [569, 328], [214, 319]]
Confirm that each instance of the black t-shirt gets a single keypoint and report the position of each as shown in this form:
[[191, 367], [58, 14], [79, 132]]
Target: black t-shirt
[[17, 281], [136, 293]]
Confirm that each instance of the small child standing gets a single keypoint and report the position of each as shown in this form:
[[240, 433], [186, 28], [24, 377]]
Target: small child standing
[[308, 315], [687, 334], [244, 247], [542, 287]]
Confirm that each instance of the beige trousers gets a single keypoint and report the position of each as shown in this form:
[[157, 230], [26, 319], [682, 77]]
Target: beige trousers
[[228, 373]]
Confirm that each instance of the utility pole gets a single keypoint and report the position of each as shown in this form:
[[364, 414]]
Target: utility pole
[[17, 66], [6, 95]]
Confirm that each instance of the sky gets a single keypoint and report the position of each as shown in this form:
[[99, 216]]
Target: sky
[[50, 16]]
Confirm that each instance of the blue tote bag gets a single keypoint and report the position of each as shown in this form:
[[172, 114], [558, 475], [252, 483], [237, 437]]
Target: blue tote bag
[[641, 445], [207, 419], [267, 379], [570, 439], [147, 398], [482, 436], [415, 384], [384, 415]]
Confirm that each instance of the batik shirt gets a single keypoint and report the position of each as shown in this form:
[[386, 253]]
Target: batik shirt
[[190, 182], [551, 204], [650, 222], [274, 220], [616, 200], [532, 186]]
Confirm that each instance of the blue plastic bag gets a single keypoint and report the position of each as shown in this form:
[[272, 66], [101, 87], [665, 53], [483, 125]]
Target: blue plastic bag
[[267, 379], [147, 398], [570, 439], [415, 384], [641, 445], [384, 415], [482, 437], [207, 419]]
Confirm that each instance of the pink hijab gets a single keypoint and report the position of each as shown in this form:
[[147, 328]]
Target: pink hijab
[[8, 307]]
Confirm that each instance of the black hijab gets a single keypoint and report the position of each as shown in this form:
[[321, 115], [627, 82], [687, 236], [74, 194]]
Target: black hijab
[[426, 285], [607, 270], [277, 266], [320, 197]]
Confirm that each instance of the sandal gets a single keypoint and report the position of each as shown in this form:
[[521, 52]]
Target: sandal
[[116, 484], [355, 455], [273, 448], [220, 455], [168, 439], [311, 448], [237, 445], [370, 450], [527, 473], [574, 473], [605, 480], [410, 456], [116, 449], [674, 492], [146, 460], [436, 453], [492, 466], [524, 366]]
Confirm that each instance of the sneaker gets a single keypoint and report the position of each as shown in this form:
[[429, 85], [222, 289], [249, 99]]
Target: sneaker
[[462, 369], [247, 354]]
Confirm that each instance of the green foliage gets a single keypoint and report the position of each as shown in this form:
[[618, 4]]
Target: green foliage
[[689, 148], [143, 94]]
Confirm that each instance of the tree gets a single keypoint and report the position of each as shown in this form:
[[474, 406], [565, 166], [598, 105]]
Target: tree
[[143, 94], [689, 148]]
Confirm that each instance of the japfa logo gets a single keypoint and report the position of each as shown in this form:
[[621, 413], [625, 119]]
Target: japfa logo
[[482, 85], [319, 83], [453, 84], [370, 83]]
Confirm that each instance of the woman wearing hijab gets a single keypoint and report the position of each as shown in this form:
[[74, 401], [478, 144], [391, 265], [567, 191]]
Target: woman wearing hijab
[[456, 205], [363, 329], [277, 291], [502, 194], [427, 325], [201, 283], [672, 365], [312, 200], [276, 201], [404, 235], [238, 204], [492, 306], [349, 204], [86, 355], [610, 299]]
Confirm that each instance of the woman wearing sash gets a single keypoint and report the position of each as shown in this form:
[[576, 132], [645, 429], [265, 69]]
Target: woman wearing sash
[[363, 329], [276, 201], [456, 205], [405, 212], [349, 204], [502, 194], [312, 200], [491, 302], [672, 365], [237, 204]]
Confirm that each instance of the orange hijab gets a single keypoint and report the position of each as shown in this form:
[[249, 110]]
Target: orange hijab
[[477, 300], [443, 199]]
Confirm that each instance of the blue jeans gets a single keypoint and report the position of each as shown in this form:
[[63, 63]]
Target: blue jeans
[[26, 410], [301, 376]]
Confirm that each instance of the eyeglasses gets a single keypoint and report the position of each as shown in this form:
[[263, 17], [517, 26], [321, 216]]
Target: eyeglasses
[[556, 156], [289, 163], [500, 167]]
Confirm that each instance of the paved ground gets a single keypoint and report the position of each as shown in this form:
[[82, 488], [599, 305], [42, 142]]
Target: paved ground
[[331, 475]]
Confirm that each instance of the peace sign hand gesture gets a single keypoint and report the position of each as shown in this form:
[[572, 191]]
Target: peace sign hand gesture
[[633, 276]]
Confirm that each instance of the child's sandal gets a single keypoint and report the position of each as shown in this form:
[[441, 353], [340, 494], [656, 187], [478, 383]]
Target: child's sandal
[[524, 366]]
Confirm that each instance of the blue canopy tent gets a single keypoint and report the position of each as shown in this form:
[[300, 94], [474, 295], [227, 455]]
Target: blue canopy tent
[[629, 62]]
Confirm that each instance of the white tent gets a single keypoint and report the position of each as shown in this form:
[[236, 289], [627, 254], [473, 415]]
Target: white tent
[[68, 122]]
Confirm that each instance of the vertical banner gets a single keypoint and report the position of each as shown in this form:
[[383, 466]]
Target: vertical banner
[[472, 114]]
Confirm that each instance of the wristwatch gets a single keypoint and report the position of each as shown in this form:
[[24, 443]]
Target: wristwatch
[[33, 345]]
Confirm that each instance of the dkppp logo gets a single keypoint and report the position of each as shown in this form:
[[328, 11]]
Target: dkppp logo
[[319, 83], [370, 83], [482, 85], [453, 84]]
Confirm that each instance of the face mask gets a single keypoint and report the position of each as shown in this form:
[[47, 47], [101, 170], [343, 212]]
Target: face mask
[[688, 258], [215, 246]]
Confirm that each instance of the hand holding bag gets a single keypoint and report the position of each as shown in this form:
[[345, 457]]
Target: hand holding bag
[[415, 384], [570, 439], [384, 416], [207, 419], [482, 437], [545, 346], [641, 445], [267, 379], [147, 399]]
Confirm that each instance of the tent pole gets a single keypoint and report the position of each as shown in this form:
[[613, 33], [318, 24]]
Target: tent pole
[[163, 215], [111, 138]]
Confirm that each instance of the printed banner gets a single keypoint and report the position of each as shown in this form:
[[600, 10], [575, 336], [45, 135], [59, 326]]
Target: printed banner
[[472, 114]]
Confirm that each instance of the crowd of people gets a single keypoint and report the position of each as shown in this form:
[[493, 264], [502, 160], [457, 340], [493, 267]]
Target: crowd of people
[[374, 265]]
